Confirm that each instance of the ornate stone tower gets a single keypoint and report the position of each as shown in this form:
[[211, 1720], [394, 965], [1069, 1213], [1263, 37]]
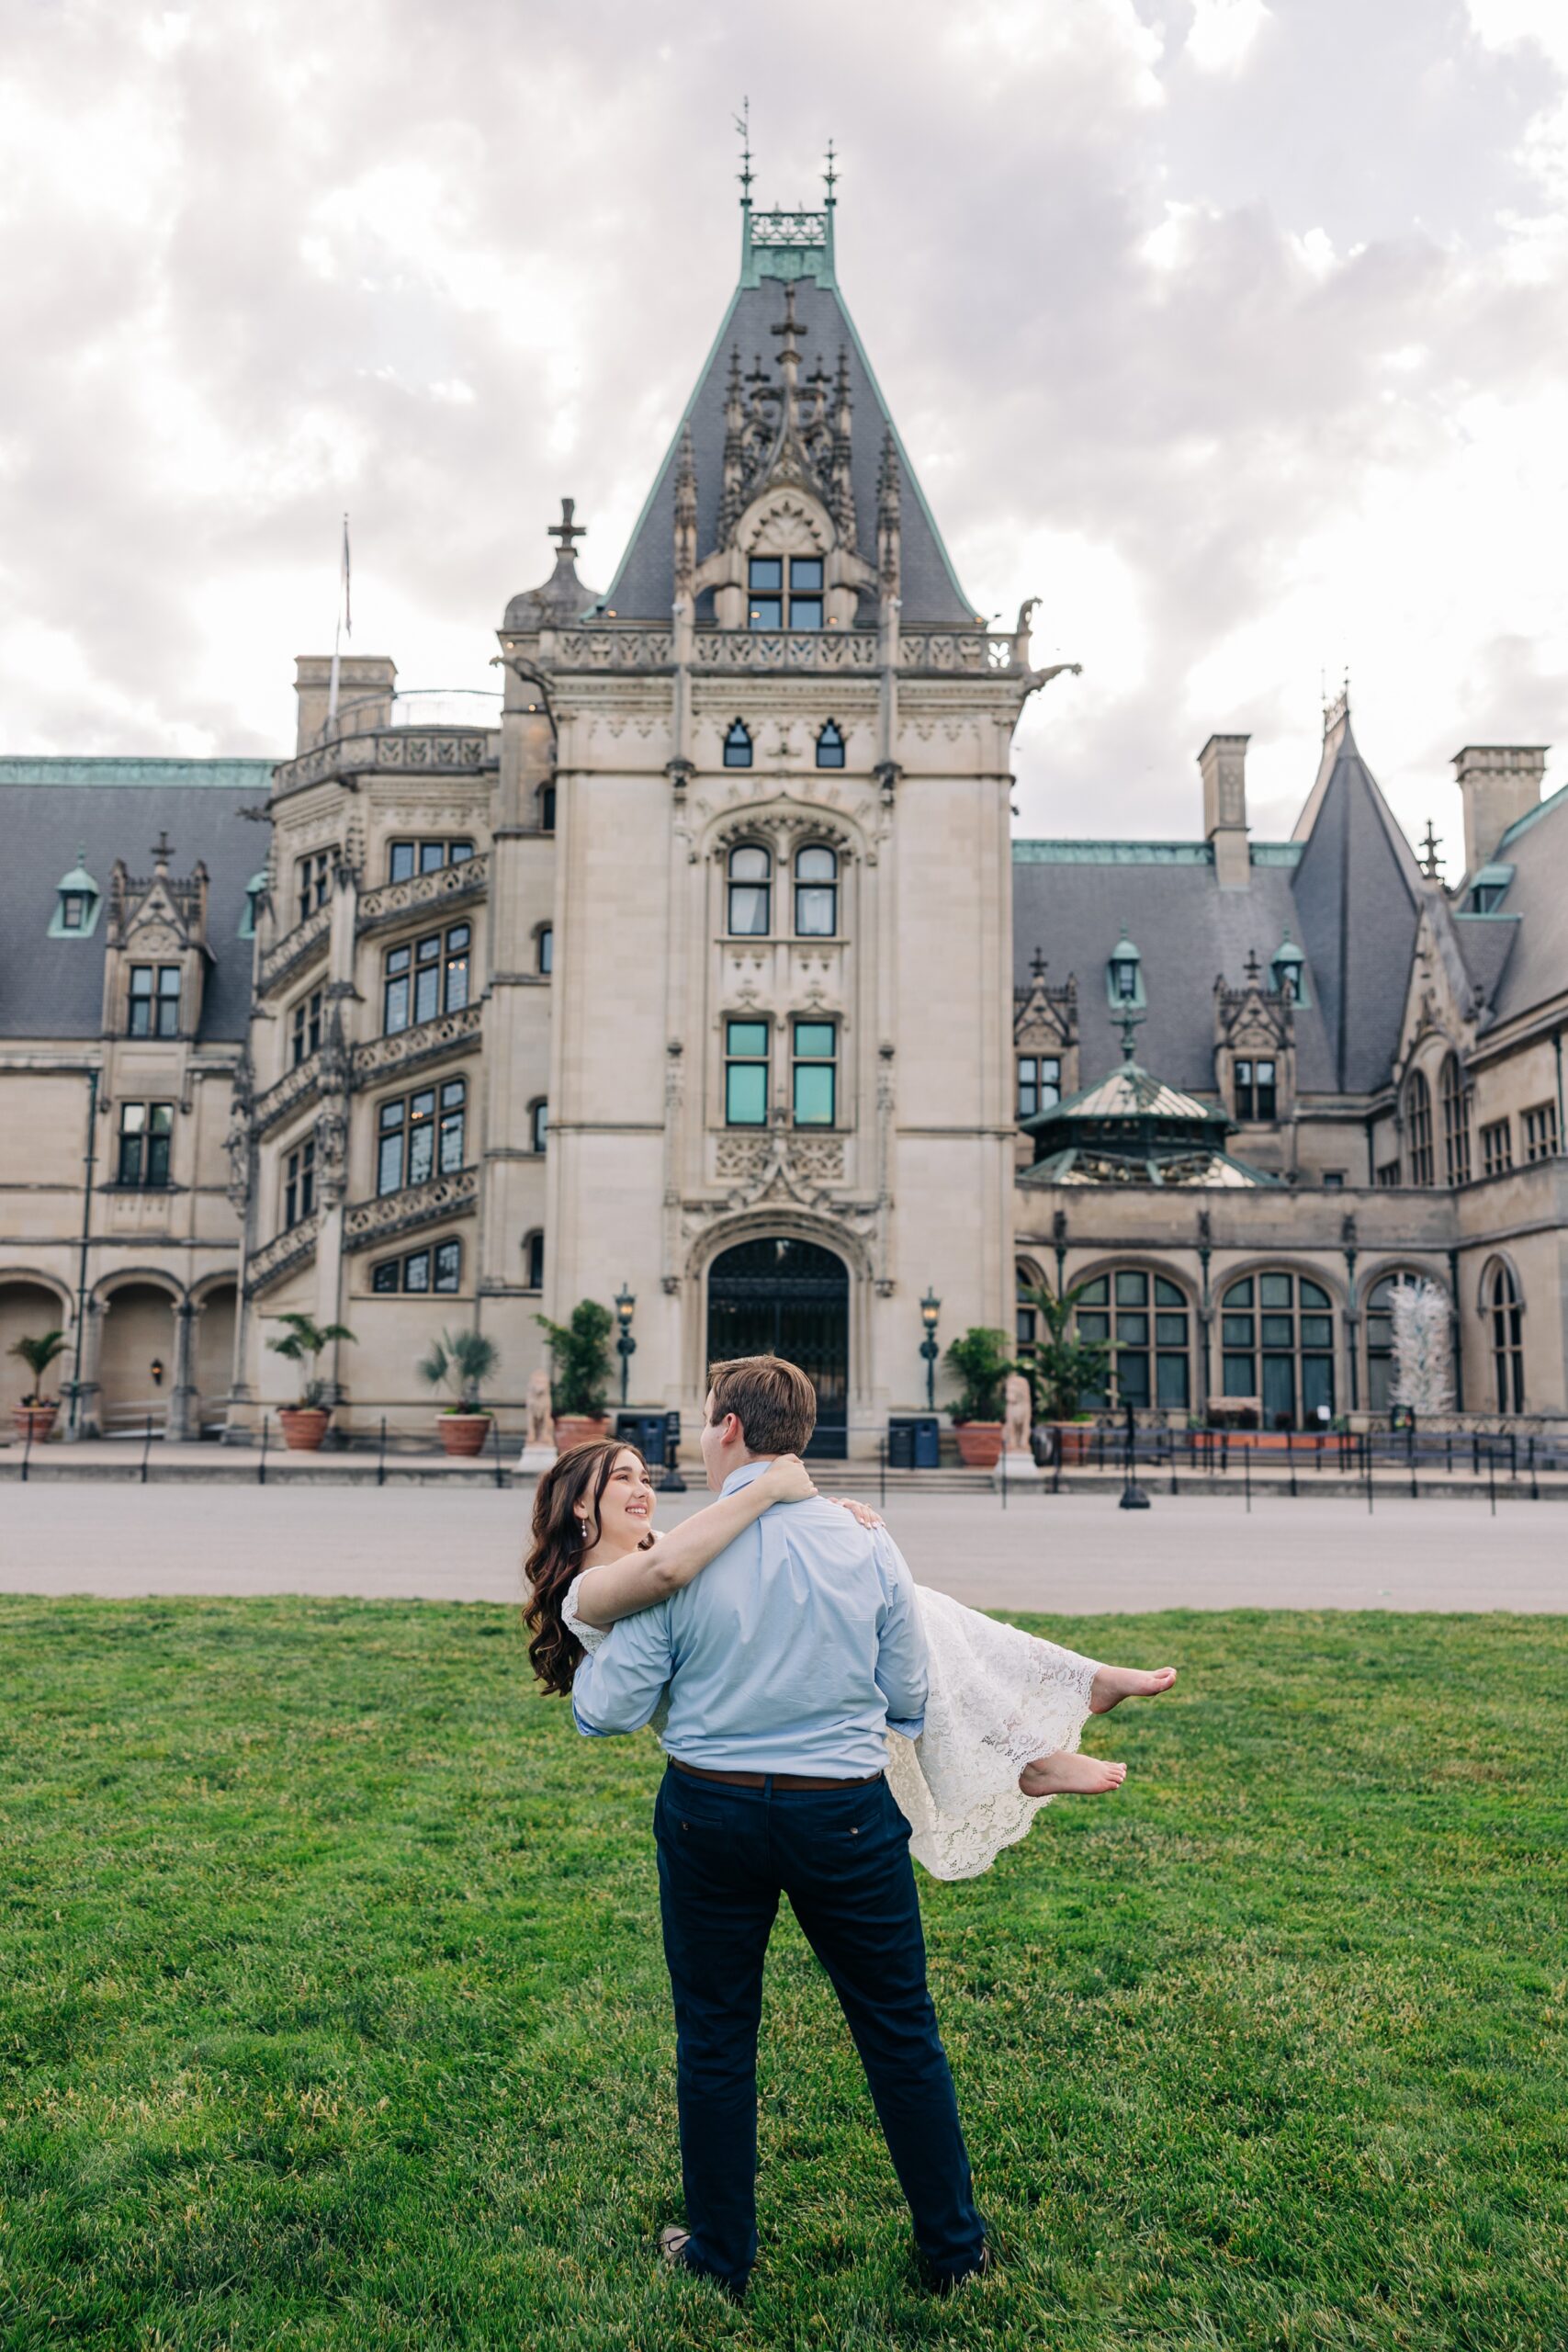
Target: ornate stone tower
[[775, 757]]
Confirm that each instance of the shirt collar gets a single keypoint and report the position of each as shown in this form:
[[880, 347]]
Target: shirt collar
[[748, 1474]]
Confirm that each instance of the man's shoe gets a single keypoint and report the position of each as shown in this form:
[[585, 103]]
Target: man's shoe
[[943, 2283], [673, 2243]]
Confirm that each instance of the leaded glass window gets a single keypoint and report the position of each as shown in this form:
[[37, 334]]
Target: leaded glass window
[[1277, 1344]]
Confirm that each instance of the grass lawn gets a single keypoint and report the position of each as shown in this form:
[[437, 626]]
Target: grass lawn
[[333, 2012]]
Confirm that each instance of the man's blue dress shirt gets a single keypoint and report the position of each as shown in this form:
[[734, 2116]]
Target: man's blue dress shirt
[[791, 1652]]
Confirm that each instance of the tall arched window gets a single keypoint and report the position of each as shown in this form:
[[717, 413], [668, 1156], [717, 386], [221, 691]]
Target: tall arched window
[[1506, 1310], [545, 951], [816, 893], [830, 746], [738, 746], [534, 1262], [538, 1124], [1380, 1337], [547, 804], [751, 893], [1456, 1123], [1277, 1344], [1143, 1319], [1419, 1127]]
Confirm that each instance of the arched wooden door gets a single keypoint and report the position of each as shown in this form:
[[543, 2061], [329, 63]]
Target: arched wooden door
[[785, 1298]]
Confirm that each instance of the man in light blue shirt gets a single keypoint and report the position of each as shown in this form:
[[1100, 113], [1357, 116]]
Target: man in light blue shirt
[[784, 1664]]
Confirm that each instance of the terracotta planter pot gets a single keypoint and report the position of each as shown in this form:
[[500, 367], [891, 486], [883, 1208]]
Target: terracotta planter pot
[[576, 1429], [37, 1419], [1073, 1440], [979, 1443], [304, 1426], [464, 1433]]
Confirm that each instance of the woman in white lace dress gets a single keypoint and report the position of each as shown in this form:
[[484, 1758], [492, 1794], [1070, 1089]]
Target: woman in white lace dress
[[1006, 1711]]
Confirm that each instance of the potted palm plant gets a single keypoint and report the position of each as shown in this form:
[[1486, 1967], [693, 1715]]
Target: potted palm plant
[[462, 1362], [35, 1415], [580, 1371], [1064, 1369], [982, 1363], [305, 1424]]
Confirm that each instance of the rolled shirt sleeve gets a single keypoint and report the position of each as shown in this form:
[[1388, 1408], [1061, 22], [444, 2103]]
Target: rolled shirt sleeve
[[902, 1673], [618, 1686]]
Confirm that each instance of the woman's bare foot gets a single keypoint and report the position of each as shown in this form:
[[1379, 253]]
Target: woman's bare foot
[[1065, 1775], [1111, 1684]]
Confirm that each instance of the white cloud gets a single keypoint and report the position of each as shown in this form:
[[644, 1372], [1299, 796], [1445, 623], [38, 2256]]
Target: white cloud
[[1223, 32]]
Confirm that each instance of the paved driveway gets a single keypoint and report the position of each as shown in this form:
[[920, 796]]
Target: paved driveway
[[1071, 1552]]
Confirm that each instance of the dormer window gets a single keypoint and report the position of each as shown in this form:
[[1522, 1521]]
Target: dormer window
[[1487, 892], [738, 746], [76, 905], [780, 587], [155, 1000], [253, 889], [830, 746], [1289, 971], [1124, 974]]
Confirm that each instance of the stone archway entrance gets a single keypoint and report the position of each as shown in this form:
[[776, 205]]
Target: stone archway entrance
[[785, 1298]]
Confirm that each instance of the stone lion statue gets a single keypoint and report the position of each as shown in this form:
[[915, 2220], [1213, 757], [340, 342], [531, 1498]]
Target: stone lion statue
[[1018, 1413], [541, 1427]]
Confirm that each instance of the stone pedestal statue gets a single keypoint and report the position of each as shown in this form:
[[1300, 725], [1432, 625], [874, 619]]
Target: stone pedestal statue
[[538, 1429], [1018, 1463]]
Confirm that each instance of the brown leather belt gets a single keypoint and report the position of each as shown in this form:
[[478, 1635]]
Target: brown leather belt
[[779, 1780]]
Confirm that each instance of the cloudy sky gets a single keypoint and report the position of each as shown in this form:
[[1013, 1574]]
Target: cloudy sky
[[1234, 329]]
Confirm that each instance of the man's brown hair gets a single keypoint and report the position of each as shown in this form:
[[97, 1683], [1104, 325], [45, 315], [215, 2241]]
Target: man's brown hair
[[772, 1400]]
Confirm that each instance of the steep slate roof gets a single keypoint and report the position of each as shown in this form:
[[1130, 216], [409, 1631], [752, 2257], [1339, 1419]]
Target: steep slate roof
[[51, 809], [1072, 898], [1359, 891], [1536, 846], [644, 585]]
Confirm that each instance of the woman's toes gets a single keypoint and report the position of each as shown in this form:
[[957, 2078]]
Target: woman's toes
[[1063, 1775], [1111, 1684]]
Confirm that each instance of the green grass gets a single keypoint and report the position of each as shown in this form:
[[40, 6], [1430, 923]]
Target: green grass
[[332, 2013]]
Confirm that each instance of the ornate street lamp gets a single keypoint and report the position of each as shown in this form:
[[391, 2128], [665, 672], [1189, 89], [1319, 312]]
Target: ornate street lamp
[[930, 1307], [625, 1346]]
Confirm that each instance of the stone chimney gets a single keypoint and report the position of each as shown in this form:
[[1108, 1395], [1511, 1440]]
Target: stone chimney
[[1498, 783], [1223, 765], [364, 687]]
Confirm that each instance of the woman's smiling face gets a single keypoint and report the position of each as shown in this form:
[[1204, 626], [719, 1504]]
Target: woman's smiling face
[[626, 1508]]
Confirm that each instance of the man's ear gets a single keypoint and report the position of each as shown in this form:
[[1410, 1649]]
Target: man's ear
[[733, 1432]]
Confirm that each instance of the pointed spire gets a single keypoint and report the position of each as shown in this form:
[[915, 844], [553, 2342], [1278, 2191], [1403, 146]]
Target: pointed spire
[[889, 533], [843, 499], [731, 494], [685, 515]]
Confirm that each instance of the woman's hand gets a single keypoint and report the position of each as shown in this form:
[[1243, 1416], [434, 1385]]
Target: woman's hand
[[863, 1511], [788, 1480]]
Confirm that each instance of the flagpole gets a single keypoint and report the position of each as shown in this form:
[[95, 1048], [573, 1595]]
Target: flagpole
[[344, 622]]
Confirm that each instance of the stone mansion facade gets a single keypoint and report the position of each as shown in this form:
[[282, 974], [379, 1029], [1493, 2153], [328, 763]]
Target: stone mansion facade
[[705, 971]]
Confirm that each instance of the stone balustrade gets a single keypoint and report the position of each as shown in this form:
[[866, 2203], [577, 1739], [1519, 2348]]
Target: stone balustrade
[[448, 885], [427, 1041], [267, 1266], [437, 750], [307, 939], [295, 1086], [368, 1223]]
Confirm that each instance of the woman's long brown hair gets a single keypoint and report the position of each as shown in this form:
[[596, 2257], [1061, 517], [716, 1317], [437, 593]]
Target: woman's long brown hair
[[577, 1476]]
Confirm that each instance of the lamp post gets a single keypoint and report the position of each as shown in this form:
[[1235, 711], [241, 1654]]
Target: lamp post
[[625, 1346], [930, 1307]]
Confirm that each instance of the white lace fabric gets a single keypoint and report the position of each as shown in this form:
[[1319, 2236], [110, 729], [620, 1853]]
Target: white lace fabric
[[999, 1699]]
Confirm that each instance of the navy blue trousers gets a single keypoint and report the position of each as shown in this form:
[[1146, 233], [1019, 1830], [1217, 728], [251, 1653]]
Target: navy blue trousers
[[841, 1856]]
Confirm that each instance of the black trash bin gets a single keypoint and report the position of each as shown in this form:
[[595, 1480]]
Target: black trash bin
[[648, 1432], [913, 1441]]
